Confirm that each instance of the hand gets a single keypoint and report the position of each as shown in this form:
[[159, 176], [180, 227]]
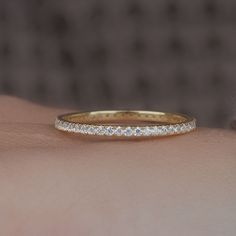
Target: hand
[[53, 183]]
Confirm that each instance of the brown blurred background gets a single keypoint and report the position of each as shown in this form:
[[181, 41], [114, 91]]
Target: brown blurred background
[[171, 55]]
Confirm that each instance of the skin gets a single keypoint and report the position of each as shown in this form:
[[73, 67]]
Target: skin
[[53, 183]]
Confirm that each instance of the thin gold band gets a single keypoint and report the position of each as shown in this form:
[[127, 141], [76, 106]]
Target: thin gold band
[[126, 123]]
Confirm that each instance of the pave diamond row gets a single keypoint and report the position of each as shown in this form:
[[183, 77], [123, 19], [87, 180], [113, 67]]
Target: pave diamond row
[[125, 131]]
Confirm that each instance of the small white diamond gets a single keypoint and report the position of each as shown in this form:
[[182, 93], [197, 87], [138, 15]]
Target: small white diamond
[[191, 125], [182, 128], [177, 129], [118, 131], [95, 129], [63, 125], [91, 130], [77, 128], [66, 126], [109, 131], [88, 129], [137, 131], [153, 130], [101, 130], [72, 127], [188, 127], [164, 130], [145, 131], [158, 131], [170, 129], [128, 131], [82, 129], [85, 129]]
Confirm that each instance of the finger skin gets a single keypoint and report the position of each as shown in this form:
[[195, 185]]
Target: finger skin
[[57, 184]]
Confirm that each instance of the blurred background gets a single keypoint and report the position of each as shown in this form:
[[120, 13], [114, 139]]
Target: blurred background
[[168, 55]]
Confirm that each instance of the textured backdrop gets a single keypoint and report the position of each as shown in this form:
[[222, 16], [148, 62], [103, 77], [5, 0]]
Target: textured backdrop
[[172, 55]]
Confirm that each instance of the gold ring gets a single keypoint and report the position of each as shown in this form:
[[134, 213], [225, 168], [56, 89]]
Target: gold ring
[[125, 123]]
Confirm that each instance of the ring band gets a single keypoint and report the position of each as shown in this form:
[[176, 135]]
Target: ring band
[[125, 123]]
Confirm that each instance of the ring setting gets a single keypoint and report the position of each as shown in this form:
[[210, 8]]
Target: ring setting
[[110, 123]]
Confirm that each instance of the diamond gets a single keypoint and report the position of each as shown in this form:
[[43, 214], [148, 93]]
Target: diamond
[[153, 130], [101, 130], [91, 130], [77, 128], [183, 128], [95, 129], [109, 131], [188, 127], [146, 131], [82, 129], [170, 129], [118, 131], [71, 127], [128, 131], [137, 131], [176, 129], [66, 126], [158, 130], [85, 129], [163, 130]]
